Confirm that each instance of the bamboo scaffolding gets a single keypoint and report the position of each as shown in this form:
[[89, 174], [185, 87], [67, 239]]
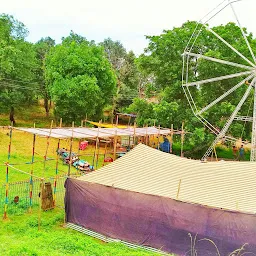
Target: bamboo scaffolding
[[31, 176], [7, 174], [56, 174], [70, 150]]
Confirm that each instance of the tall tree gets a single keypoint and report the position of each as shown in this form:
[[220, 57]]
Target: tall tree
[[80, 78], [17, 65], [43, 47], [124, 65]]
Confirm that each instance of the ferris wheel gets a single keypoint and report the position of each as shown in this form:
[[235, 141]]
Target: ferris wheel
[[248, 73]]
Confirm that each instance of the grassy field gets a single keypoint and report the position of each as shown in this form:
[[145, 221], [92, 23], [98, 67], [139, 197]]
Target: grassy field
[[21, 155], [20, 236]]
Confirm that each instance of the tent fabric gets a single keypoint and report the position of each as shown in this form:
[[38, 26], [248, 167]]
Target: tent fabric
[[224, 184], [106, 125], [156, 221], [80, 133]]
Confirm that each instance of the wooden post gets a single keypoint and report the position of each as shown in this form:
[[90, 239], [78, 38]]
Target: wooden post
[[105, 152], [158, 139], [178, 191], [96, 145], [146, 141], [47, 147], [171, 138], [82, 122], [56, 174], [117, 120], [134, 134], [40, 203], [70, 149], [115, 141], [182, 140], [31, 176], [7, 174], [60, 123]]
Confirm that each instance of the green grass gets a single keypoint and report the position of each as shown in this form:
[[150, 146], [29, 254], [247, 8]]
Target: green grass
[[21, 154], [27, 116], [20, 236]]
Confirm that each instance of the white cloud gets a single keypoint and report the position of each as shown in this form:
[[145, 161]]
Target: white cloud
[[127, 21]]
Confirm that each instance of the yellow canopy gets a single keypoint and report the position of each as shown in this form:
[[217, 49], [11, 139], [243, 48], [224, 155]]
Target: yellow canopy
[[106, 125]]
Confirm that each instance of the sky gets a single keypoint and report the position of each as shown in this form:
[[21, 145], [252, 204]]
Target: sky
[[127, 21]]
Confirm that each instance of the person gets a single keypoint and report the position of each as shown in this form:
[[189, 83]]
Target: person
[[241, 153], [234, 152]]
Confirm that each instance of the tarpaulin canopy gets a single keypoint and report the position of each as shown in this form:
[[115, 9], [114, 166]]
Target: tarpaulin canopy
[[95, 132], [152, 198], [224, 184], [106, 125]]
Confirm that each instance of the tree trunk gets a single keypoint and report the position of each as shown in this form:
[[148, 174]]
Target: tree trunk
[[46, 105], [12, 116], [115, 101]]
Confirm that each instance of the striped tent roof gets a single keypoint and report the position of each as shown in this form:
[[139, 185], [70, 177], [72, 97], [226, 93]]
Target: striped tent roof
[[224, 184]]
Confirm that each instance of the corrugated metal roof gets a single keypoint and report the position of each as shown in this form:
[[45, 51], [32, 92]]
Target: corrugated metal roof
[[224, 184]]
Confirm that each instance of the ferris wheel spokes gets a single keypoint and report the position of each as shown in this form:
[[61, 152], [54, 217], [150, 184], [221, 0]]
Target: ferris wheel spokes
[[218, 60], [224, 95], [229, 45], [225, 128], [244, 36], [219, 78]]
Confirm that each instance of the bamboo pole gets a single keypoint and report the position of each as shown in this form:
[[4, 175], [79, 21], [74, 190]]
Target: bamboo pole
[[158, 139], [82, 123], [146, 141], [98, 147], [182, 139], [105, 152], [134, 134], [115, 142], [70, 149], [31, 174], [47, 148], [7, 173], [40, 203], [171, 138], [178, 191], [60, 123], [56, 174]]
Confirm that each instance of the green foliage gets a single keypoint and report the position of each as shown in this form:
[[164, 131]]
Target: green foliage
[[17, 63], [80, 78], [126, 70]]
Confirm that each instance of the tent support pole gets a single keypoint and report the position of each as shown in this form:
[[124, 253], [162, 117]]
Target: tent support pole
[[70, 149], [7, 173], [178, 191], [31, 176]]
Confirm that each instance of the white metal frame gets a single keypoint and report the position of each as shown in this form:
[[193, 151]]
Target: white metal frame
[[247, 75]]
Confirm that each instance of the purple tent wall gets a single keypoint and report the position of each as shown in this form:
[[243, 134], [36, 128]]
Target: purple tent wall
[[155, 221]]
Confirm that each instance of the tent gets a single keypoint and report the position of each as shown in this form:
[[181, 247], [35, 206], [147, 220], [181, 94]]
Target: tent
[[156, 199]]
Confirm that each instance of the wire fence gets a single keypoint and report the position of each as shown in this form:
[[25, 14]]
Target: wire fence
[[24, 195]]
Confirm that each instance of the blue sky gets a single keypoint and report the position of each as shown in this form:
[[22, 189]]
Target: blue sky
[[126, 21]]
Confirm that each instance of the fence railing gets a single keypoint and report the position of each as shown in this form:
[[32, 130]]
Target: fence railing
[[20, 199]]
